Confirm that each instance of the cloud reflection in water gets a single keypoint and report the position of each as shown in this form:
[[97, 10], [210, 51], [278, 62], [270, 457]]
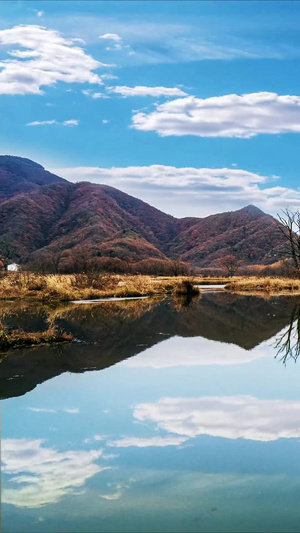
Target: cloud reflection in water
[[44, 475], [229, 417]]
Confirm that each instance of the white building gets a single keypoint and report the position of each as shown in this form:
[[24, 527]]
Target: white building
[[13, 267]]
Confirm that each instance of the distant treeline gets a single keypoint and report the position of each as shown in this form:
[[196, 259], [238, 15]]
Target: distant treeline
[[77, 261]]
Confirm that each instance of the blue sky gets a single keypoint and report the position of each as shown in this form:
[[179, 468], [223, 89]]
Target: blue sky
[[193, 107]]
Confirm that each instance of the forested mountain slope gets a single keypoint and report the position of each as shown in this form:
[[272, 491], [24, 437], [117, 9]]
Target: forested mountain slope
[[41, 213]]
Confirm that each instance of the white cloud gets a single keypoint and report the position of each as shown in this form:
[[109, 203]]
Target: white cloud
[[146, 442], [116, 43], [41, 123], [93, 94], [71, 122], [40, 13], [141, 90], [115, 39], [224, 116], [112, 496], [105, 121], [95, 438], [44, 475], [41, 410], [43, 58], [190, 191], [111, 37], [100, 437], [166, 176], [228, 417], [73, 411], [108, 456], [109, 77]]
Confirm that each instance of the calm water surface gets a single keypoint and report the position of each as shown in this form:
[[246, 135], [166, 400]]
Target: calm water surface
[[164, 416]]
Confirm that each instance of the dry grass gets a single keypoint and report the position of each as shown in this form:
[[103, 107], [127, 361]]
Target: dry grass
[[19, 338], [57, 287], [267, 285]]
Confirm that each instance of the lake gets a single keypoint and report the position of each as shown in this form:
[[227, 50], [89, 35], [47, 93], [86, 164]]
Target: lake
[[165, 415]]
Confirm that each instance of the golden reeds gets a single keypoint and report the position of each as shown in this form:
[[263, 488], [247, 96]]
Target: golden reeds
[[267, 285], [59, 287]]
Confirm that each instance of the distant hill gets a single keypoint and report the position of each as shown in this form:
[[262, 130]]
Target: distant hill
[[45, 215], [249, 234]]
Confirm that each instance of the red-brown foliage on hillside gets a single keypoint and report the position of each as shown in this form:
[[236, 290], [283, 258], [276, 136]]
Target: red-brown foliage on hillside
[[48, 221]]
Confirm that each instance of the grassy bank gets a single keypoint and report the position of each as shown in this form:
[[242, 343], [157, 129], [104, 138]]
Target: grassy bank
[[59, 287], [19, 338], [266, 285], [56, 287]]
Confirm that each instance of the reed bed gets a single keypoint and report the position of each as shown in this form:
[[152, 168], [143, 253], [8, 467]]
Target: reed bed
[[67, 287], [267, 285], [59, 287]]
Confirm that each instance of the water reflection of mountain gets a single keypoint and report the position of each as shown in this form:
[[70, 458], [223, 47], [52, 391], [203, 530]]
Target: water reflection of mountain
[[112, 332]]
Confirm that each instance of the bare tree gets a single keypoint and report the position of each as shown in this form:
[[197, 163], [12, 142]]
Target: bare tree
[[289, 226], [54, 257], [80, 259], [47, 261], [230, 263], [179, 268]]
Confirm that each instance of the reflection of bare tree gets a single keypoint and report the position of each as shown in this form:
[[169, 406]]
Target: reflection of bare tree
[[288, 342], [185, 302]]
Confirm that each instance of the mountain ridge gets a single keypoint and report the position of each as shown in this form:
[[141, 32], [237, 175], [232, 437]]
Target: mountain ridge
[[42, 213], [19, 174]]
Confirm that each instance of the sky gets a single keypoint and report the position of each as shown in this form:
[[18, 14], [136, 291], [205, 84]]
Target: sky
[[193, 107]]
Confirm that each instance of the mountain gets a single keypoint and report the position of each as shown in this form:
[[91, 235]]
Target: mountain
[[18, 174], [43, 215], [249, 234]]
